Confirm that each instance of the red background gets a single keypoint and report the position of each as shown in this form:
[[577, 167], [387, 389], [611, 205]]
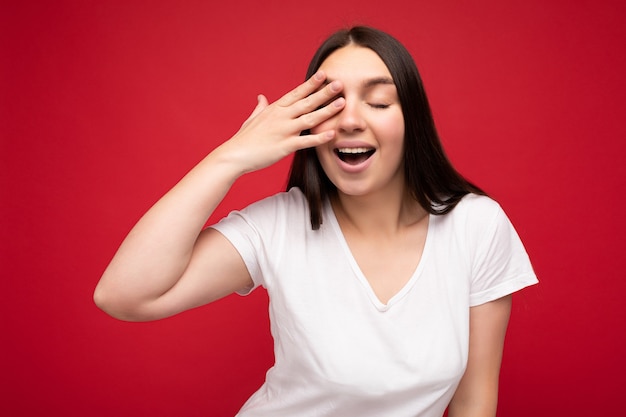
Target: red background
[[105, 105]]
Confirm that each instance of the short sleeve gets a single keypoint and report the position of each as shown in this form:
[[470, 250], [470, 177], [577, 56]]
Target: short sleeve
[[500, 264], [262, 231], [242, 233]]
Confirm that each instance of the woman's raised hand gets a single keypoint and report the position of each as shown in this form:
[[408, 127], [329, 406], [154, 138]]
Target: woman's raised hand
[[167, 263], [273, 130]]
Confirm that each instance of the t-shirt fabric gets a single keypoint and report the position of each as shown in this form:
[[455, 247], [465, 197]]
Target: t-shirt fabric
[[340, 351]]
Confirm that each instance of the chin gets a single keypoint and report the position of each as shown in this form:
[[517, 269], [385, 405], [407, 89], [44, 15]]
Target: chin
[[353, 190]]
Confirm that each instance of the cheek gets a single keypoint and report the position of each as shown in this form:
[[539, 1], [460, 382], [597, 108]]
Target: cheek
[[392, 129], [321, 157], [325, 156]]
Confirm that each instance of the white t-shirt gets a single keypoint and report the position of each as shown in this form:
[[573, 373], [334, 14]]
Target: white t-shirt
[[339, 351]]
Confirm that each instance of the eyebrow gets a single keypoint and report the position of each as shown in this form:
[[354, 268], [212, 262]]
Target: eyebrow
[[378, 81], [370, 82]]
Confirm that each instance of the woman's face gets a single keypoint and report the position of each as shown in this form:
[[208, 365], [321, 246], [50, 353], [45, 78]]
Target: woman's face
[[366, 156]]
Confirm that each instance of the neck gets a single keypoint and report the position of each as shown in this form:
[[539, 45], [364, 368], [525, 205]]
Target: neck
[[383, 214]]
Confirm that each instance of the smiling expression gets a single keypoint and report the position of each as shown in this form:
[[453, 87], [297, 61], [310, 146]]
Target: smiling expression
[[366, 156]]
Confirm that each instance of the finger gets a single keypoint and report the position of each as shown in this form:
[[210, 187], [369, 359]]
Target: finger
[[313, 140], [303, 90], [310, 120], [318, 99], [262, 103]]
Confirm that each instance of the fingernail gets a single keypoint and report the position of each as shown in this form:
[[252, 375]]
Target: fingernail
[[335, 86], [339, 102], [319, 76]]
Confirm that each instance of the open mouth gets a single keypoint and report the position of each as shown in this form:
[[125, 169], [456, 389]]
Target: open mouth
[[354, 156]]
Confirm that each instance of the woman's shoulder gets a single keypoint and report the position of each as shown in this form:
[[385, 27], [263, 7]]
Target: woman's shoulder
[[293, 198], [475, 212], [272, 215], [284, 205], [477, 205]]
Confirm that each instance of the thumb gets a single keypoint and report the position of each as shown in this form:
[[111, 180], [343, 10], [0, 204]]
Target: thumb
[[262, 103]]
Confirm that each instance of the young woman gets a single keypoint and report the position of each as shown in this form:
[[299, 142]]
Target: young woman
[[389, 275]]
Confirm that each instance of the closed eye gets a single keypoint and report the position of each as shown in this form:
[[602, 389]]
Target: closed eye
[[378, 105]]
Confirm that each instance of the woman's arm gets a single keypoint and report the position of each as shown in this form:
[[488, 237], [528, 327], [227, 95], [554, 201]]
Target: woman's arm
[[477, 393], [167, 264]]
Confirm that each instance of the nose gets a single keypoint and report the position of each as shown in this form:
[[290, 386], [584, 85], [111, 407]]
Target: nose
[[350, 119]]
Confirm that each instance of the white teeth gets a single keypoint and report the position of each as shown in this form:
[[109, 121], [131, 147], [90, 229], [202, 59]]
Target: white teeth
[[353, 150]]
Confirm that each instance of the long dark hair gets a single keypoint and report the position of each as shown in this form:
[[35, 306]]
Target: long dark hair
[[430, 177]]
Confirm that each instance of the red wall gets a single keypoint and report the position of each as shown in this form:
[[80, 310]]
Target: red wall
[[105, 105]]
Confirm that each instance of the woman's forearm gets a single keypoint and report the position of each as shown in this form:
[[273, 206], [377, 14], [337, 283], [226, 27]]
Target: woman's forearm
[[157, 250]]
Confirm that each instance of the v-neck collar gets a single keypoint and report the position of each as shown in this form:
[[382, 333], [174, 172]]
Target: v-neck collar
[[380, 306]]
